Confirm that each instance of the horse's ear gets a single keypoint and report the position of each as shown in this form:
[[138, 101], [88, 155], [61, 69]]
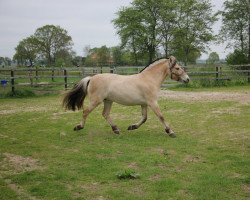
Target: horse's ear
[[172, 61]]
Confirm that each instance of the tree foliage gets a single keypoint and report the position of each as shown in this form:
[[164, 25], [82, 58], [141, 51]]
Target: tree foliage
[[5, 61], [176, 26], [236, 58], [236, 25], [98, 56], [26, 51], [48, 42], [51, 40], [213, 58]]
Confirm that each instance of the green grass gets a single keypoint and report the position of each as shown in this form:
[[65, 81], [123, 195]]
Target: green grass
[[209, 159]]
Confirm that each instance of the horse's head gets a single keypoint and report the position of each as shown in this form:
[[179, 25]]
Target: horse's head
[[177, 72]]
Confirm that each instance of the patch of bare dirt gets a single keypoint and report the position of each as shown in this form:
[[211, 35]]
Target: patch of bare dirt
[[14, 110], [18, 164], [20, 191], [232, 111], [240, 97], [192, 159], [155, 177], [133, 165], [247, 188], [13, 164]]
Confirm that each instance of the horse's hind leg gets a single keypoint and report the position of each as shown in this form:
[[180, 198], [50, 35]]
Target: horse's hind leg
[[154, 106], [106, 115], [92, 105], [144, 109]]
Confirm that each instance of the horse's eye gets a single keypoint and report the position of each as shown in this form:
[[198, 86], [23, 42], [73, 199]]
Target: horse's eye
[[177, 68]]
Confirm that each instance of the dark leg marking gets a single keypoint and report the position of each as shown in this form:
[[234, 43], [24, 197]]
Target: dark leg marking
[[132, 127], [115, 129], [78, 127]]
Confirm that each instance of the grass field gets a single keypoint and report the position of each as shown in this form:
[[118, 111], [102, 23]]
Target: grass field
[[41, 157]]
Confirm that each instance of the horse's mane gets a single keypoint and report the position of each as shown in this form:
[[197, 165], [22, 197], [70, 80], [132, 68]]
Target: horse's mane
[[152, 63]]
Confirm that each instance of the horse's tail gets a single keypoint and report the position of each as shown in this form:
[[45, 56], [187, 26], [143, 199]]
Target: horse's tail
[[74, 98]]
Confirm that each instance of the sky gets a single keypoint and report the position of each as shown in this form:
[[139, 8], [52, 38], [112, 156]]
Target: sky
[[88, 22]]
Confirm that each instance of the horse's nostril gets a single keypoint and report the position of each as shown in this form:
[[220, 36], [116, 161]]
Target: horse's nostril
[[187, 80]]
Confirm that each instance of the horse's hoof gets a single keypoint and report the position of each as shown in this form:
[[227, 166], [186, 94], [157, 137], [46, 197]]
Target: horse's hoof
[[78, 127], [132, 127], [172, 135], [115, 130]]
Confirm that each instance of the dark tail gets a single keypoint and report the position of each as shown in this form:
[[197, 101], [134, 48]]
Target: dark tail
[[74, 98]]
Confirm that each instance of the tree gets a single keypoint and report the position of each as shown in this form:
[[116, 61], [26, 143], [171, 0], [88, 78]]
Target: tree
[[98, 56], [194, 27], [5, 61], [213, 58], [149, 10], [167, 24], [64, 58], [26, 51], [130, 30], [177, 26], [78, 61], [116, 53], [51, 40], [236, 25], [236, 58]]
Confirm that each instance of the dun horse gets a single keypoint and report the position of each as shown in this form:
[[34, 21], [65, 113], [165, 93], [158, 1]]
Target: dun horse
[[138, 89]]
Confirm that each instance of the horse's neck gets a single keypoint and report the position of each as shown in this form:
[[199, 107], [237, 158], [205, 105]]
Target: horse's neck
[[157, 73]]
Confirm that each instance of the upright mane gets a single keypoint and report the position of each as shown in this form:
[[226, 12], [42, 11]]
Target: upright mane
[[155, 62]]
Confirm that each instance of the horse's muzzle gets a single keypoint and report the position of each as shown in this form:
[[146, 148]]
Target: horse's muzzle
[[186, 81]]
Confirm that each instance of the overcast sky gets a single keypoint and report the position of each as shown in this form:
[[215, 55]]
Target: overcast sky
[[88, 22]]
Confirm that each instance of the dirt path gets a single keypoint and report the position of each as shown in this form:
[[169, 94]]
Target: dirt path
[[241, 97]]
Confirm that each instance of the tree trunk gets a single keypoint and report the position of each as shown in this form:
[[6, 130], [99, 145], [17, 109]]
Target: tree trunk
[[31, 62], [241, 42], [166, 48], [186, 57], [249, 40], [151, 52], [135, 56]]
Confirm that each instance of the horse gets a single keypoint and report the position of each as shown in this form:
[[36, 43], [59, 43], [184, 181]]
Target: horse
[[137, 89]]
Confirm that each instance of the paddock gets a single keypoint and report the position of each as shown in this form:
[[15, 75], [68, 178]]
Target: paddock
[[41, 157]]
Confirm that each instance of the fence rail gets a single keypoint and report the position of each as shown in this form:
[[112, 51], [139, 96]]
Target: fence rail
[[68, 76]]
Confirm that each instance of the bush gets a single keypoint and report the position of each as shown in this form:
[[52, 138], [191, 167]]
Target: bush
[[127, 174], [236, 58], [20, 94]]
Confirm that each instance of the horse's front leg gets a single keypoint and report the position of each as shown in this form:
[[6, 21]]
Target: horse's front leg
[[144, 109], [106, 115], [155, 107]]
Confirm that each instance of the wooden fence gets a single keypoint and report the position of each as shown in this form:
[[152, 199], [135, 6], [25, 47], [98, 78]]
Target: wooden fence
[[34, 77]]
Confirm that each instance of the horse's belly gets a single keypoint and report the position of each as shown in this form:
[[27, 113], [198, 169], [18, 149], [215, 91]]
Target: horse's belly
[[126, 98]]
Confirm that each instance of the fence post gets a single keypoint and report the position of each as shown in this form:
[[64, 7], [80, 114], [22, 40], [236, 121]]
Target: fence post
[[36, 74], [53, 74], [12, 81], [111, 70], [248, 77], [217, 73], [65, 79]]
